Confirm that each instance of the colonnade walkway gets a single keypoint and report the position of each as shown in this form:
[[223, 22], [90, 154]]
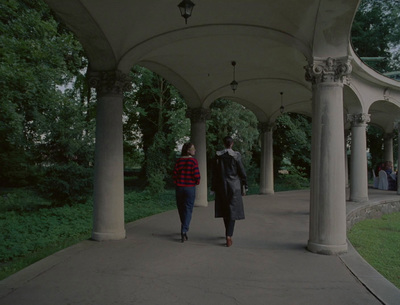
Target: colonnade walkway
[[267, 264]]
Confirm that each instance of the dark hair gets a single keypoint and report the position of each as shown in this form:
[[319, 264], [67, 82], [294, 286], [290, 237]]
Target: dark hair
[[228, 141], [185, 148]]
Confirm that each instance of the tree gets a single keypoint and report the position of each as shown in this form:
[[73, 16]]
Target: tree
[[376, 33], [375, 144], [292, 143], [229, 118], [66, 167], [41, 128], [155, 123]]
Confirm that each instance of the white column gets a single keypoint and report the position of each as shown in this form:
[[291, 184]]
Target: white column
[[328, 199], [267, 160], [397, 127], [346, 161], [108, 213], [359, 165], [388, 146], [198, 117]]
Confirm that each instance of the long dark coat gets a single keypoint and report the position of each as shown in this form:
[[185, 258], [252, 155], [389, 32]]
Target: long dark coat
[[228, 177]]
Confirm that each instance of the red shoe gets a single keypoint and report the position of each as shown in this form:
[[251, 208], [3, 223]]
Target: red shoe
[[228, 241]]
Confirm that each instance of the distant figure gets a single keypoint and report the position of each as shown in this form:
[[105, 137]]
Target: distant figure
[[229, 177], [392, 178], [388, 167], [186, 177], [379, 167]]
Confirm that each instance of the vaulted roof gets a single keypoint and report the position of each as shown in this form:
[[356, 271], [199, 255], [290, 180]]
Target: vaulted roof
[[270, 41]]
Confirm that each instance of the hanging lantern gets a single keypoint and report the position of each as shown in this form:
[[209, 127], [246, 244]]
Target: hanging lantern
[[186, 8], [282, 109], [234, 84]]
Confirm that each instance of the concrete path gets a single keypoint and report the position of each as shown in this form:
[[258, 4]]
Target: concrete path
[[267, 264]]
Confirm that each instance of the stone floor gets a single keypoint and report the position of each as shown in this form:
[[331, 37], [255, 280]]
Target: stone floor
[[267, 264]]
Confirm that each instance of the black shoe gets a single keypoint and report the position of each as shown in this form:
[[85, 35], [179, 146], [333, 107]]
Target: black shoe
[[183, 237]]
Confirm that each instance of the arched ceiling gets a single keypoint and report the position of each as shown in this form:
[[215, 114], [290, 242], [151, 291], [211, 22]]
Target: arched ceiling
[[271, 42], [384, 114]]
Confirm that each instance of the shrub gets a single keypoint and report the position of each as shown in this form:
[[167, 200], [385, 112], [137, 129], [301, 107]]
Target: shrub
[[67, 183], [21, 199], [294, 180]]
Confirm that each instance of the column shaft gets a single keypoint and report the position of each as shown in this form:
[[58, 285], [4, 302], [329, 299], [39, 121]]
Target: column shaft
[[198, 118], [388, 147], [109, 180], [398, 157], [267, 161], [359, 165], [328, 199], [346, 160], [108, 210]]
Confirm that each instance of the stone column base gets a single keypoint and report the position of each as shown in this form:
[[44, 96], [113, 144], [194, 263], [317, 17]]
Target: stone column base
[[359, 199], [101, 236], [267, 192], [201, 202], [326, 249]]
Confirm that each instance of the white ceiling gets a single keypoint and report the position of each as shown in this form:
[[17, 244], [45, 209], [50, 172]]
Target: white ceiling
[[271, 42]]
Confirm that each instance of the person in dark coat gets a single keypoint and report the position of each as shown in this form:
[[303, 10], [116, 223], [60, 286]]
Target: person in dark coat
[[228, 183]]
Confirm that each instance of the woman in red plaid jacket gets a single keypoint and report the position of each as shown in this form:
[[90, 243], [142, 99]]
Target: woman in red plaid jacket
[[186, 177]]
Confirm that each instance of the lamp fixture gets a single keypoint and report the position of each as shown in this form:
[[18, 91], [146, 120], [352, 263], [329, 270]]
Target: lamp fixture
[[186, 8], [234, 84], [282, 109]]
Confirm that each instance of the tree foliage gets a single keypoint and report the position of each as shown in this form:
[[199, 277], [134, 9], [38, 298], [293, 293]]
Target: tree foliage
[[292, 143], [46, 133], [376, 33], [155, 123], [375, 144], [230, 118]]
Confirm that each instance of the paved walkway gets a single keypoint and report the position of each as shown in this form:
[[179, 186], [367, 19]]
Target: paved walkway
[[267, 264]]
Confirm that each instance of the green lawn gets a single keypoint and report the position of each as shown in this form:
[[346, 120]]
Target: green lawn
[[378, 242], [32, 229]]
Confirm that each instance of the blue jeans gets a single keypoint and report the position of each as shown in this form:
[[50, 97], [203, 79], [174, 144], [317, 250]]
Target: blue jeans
[[185, 197]]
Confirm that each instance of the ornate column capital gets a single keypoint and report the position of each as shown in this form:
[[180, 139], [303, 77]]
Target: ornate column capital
[[388, 136], [324, 70], [358, 119], [109, 81], [266, 126], [198, 114]]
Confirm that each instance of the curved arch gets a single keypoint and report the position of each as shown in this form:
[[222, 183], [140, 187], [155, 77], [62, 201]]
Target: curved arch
[[266, 107], [352, 100], [332, 28], [189, 94], [301, 107], [223, 91], [384, 114], [138, 52], [260, 115], [90, 34]]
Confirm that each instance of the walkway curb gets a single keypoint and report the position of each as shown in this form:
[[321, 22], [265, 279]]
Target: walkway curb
[[377, 284]]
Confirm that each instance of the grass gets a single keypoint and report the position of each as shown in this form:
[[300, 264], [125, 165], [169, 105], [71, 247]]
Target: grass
[[31, 229], [378, 242]]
